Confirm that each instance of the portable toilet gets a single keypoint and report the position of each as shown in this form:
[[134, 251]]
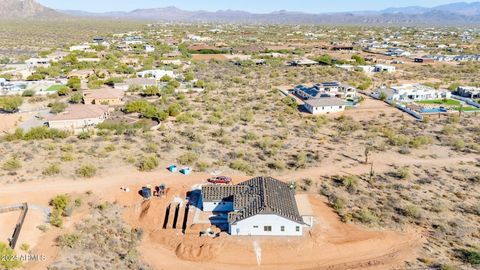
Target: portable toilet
[[185, 171], [172, 168]]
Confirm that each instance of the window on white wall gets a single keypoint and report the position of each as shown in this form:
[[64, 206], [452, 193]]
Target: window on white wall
[[255, 226], [282, 228], [267, 228], [297, 228]]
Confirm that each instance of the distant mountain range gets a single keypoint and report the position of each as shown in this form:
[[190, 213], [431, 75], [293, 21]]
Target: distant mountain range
[[451, 14]]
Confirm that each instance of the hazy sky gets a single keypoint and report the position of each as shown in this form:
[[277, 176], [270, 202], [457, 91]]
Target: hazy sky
[[312, 6]]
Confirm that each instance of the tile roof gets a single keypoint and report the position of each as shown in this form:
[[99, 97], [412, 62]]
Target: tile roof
[[327, 101], [104, 93], [80, 111], [259, 195]]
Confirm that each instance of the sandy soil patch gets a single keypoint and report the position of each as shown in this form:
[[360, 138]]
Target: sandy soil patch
[[10, 121]]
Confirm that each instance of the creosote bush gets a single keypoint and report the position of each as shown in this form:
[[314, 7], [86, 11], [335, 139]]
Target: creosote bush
[[86, 171], [148, 163]]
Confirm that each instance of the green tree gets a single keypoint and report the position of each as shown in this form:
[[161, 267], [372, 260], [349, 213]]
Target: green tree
[[76, 98], [35, 77], [325, 60], [57, 107], [359, 60], [74, 83], [63, 91]]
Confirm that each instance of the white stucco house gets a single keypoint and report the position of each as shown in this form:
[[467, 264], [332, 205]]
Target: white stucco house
[[384, 68], [156, 74], [412, 92], [261, 206], [325, 105]]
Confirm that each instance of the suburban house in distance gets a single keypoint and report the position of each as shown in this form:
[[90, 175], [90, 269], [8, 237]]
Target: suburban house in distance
[[34, 63], [261, 206], [303, 62], [412, 92], [468, 91], [104, 96], [156, 74], [78, 117], [326, 89], [324, 105], [142, 82], [384, 68]]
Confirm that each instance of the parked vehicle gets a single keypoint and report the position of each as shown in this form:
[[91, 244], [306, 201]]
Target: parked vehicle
[[220, 180]]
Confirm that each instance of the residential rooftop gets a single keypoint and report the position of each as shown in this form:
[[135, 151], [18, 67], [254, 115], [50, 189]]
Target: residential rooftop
[[259, 195]]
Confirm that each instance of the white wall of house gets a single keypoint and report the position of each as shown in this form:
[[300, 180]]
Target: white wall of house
[[324, 109], [266, 225], [220, 206], [75, 124]]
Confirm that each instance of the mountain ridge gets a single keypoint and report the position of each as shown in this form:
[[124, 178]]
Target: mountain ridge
[[459, 13]]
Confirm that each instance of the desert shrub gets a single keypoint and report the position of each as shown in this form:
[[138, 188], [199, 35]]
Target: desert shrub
[[301, 160], [338, 203], [84, 135], [57, 107], [420, 141], [151, 147], [25, 247], [76, 98], [174, 109], [59, 204], [412, 211], [148, 163], [10, 103], [28, 93], [12, 164], [202, 165], [365, 216], [242, 166], [110, 148], [347, 124], [402, 173], [41, 133], [67, 157], [7, 252], [86, 171], [250, 136], [448, 130], [247, 116], [185, 118], [350, 182], [278, 165], [470, 256], [69, 240], [188, 158], [458, 144], [51, 170]]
